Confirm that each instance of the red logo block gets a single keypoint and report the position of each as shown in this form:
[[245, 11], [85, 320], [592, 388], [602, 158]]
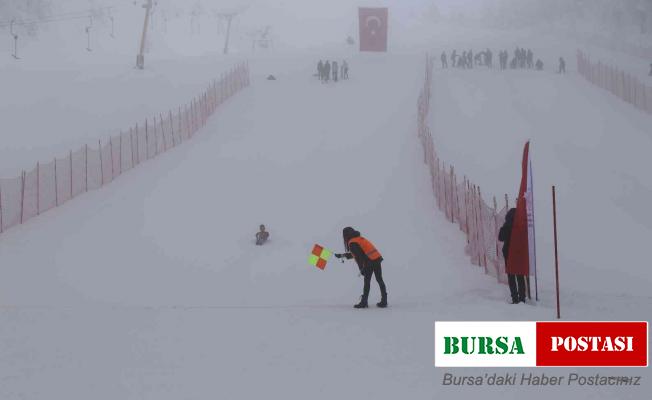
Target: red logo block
[[592, 344]]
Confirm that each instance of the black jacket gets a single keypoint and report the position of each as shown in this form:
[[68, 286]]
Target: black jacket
[[505, 233]]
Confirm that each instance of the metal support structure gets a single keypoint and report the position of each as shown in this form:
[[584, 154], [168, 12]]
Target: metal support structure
[[140, 59], [15, 37], [229, 18]]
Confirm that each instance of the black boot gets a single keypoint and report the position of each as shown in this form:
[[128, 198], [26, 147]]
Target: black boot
[[383, 301], [362, 303]]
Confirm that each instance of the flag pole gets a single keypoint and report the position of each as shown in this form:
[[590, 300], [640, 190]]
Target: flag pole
[[534, 230], [554, 217]]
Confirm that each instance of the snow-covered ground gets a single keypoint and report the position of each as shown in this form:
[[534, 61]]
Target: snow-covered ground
[[151, 287]]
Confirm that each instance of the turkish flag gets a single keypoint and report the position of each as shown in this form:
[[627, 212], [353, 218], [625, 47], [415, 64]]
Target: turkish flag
[[520, 246], [373, 29]]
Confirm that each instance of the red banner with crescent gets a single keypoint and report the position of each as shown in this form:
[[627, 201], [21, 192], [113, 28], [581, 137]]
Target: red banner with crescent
[[373, 29], [520, 249]]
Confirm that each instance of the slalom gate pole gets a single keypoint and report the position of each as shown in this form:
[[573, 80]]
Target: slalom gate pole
[[554, 217], [534, 230]]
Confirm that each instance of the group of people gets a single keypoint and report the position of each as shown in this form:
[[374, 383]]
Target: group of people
[[522, 58], [327, 70], [467, 59]]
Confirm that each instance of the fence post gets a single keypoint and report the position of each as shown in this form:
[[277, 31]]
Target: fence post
[[146, 139], [165, 141], [482, 238], [38, 188], [22, 196], [131, 146], [86, 166], [554, 220], [181, 131], [120, 144], [187, 120], [457, 199], [445, 190], [171, 125], [1, 223], [466, 207], [111, 154], [193, 120], [477, 224], [71, 176], [137, 146], [452, 196], [56, 184], [497, 263], [101, 164]]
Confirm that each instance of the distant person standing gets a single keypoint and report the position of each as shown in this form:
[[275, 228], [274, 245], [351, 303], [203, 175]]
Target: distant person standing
[[320, 70], [345, 70], [650, 74], [516, 282], [454, 58], [562, 66], [335, 71], [444, 61], [327, 71]]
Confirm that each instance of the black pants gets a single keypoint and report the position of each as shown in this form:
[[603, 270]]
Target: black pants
[[516, 287], [370, 269]]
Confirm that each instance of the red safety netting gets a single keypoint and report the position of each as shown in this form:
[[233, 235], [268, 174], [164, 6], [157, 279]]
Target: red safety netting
[[621, 84], [460, 200], [55, 182]]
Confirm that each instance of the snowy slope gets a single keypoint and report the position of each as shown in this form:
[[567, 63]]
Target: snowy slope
[[59, 96], [152, 288]]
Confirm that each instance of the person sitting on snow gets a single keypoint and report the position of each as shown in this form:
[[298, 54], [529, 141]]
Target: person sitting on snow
[[539, 65], [261, 236]]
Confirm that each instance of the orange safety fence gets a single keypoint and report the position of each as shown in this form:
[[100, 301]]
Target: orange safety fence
[[623, 85], [51, 184], [461, 200]]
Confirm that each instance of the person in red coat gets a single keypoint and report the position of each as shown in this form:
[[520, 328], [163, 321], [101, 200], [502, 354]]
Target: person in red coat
[[516, 281]]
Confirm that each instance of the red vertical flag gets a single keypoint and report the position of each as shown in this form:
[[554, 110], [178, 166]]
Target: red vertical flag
[[520, 251], [373, 29]]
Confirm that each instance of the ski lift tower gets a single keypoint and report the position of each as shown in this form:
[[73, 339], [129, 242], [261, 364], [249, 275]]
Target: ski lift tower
[[140, 59], [228, 16]]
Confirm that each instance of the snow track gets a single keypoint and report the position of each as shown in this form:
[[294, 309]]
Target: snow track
[[151, 288]]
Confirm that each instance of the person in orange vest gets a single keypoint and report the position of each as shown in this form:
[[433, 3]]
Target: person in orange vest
[[368, 259]]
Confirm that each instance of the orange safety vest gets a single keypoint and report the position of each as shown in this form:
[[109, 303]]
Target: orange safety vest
[[367, 247]]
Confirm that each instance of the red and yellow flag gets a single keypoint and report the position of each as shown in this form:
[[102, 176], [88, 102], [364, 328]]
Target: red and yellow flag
[[319, 256]]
